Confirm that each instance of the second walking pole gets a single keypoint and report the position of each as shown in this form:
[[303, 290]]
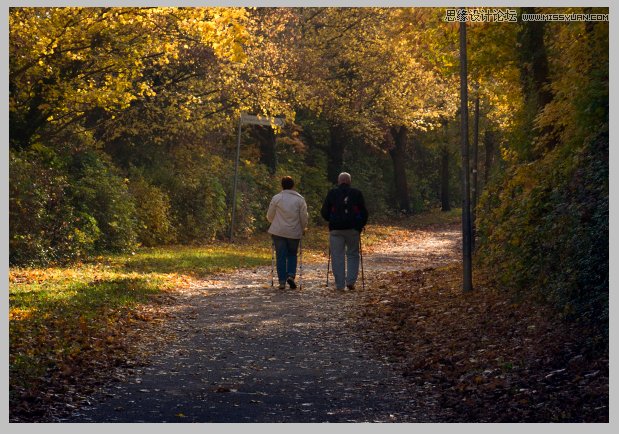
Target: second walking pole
[[272, 261], [361, 254], [301, 264], [328, 263]]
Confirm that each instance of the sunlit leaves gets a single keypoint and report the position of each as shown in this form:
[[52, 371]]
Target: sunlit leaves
[[367, 71], [66, 61]]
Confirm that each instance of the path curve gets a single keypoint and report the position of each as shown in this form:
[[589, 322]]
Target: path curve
[[235, 349]]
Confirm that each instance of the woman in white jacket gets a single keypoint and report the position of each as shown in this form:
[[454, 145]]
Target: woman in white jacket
[[288, 217]]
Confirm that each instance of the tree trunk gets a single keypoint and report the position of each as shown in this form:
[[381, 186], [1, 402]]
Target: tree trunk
[[534, 61], [445, 203], [398, 156], [336, 152], [266, 142], [23, 128], [534, 73], [474, 192], [489, 151], [310, 156], [467, 275]]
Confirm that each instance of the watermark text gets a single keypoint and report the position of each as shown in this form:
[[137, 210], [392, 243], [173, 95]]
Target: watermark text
[[511, 16], [481, 15]]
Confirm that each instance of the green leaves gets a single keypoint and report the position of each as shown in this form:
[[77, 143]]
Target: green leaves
[[538, 237]]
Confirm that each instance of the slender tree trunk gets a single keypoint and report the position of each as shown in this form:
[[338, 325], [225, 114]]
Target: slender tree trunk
[[336, 153], [474, 192], [398, 156], [444, 175], [467, 275], [489, 152], [266, 142]]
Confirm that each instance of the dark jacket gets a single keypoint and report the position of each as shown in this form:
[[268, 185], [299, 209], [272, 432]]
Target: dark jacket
[[355, 202]]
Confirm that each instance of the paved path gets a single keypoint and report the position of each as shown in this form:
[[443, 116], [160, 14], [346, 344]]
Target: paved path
[[237, 350]]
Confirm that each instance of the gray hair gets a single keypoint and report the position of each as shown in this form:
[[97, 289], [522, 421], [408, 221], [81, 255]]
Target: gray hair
[[344, 178]]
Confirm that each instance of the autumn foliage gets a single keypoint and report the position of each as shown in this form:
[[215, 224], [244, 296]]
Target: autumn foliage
[[124, 124]]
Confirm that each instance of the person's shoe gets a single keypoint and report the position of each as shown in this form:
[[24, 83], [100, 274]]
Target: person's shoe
[[341, 289], [351, 287], [282, 285], [291, 282]]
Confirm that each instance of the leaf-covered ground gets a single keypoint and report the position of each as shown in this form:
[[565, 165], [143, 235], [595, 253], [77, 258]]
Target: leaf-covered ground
[[411, 347], [485, 356]]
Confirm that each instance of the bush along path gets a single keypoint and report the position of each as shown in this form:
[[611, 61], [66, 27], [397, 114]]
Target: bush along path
[[235, 349]]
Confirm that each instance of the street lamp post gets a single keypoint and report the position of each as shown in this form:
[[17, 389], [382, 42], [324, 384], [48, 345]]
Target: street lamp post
[[467, 284]]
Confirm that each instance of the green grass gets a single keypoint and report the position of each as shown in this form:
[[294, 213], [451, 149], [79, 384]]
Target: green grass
[[197, 261], [56, 323], [61, 316]]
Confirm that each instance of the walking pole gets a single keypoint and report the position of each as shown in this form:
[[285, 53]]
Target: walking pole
[[301, 264], [272, 261], [328, 263], [361, 253]]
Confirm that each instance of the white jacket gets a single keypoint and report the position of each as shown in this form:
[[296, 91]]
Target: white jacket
[[287, 214]]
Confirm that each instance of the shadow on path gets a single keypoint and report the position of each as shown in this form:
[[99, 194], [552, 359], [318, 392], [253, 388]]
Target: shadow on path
[[237, 350]]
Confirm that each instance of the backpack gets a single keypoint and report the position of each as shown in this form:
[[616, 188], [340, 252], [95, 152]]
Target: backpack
[[345, 214]]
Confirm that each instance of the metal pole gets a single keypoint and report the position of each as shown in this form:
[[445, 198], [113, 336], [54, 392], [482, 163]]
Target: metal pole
[[301, 263], [328, 263], [467, 284], [236, 174], [272, 261], [361, 253]]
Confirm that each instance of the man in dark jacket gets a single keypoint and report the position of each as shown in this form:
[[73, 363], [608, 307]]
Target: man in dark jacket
[[344, 209]]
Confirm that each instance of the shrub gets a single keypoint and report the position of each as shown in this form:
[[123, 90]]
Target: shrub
[[44, 225], [314, 186], [206, 210], [152, 208], [197, 194], [544, 230], [255, 189], [99, 192]]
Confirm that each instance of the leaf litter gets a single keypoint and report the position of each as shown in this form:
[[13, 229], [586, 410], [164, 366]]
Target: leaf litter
[[410, 348]]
